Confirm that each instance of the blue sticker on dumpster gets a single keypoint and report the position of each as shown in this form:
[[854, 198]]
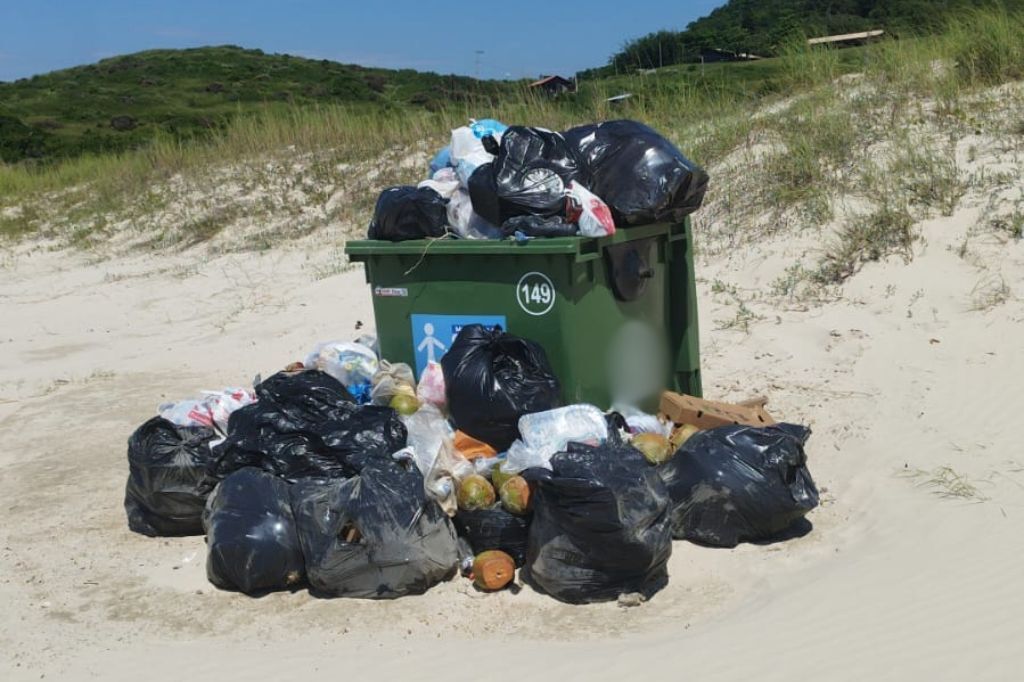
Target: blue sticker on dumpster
[[432, 335]]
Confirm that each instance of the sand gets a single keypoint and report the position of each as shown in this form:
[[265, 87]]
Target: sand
[[909, 376]]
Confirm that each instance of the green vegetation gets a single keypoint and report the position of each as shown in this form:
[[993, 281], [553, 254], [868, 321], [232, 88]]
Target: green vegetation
[[124, 102], [765, 27]]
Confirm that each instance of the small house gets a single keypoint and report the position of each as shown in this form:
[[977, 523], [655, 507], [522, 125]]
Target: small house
[[554, 85], [848, 39], [713, 55]]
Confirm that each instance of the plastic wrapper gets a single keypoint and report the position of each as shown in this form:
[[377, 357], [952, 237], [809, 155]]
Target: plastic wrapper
[[495, 528], [404, 213], [543, 434], [600, 526], [353, 364], [427, 429], [212, 410], [589, 212], [430, 389], [447, 469], [392, 379], [250, 534], [738, 484], [306, 425], [488, 127], [493, 378], [445, 182], [375, 536], [640, 175], [167, 464], [528, 176]]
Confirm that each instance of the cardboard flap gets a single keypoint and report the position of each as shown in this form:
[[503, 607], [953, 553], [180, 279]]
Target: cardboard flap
[[709, 414]]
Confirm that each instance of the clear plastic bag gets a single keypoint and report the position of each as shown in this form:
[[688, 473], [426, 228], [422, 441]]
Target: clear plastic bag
[[465, 222], [353, 364], [441, 483], [392, 379], [543, 434], [427, 429]]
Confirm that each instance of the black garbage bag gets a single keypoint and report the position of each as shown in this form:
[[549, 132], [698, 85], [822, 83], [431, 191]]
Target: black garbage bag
[[642, 176], [539, 226], [408, 212], [493, 378], [374, 536], [251, 541], [305, 425], [739, 484], [495, 528], [166, 466], [600, 525], [527, 177]]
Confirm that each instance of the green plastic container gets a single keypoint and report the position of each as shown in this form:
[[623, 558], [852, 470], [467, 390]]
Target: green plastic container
[[617, 316]]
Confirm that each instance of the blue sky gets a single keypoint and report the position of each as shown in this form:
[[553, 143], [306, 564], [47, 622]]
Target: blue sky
[[524, 38]]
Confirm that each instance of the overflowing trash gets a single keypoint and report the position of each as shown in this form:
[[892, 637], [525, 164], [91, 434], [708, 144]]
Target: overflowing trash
[[357, 476], [517, 182], [345, 475]]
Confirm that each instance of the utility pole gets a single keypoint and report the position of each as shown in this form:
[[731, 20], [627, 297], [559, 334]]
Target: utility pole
[[477, 69]]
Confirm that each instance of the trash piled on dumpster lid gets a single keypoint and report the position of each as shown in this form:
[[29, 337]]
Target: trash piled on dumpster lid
[[496, 181], [345, 475]]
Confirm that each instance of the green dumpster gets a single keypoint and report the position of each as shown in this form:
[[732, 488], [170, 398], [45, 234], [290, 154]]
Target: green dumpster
[[617, 316]]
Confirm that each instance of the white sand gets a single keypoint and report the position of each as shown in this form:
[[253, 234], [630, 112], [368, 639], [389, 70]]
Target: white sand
[[900, 374]]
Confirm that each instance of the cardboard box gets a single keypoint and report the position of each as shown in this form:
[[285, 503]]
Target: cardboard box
[[709, 414]]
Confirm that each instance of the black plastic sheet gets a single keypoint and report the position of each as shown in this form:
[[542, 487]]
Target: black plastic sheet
[[495, 528], [251, 541], [305, 425], [538, 226], [374, 536], [642, 176], [166, 467], [739, 484], [408, 212], [600, 525], [493, 378]]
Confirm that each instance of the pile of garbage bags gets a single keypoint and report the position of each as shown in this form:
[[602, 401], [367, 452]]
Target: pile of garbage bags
[[345, 475], [496, 181]]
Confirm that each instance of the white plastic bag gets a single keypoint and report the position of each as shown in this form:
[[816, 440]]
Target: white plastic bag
[[212, 410], [594, 217], [352, 364], [445, 182], [467, 147], [431, 390], [545, 433], [639, 421]]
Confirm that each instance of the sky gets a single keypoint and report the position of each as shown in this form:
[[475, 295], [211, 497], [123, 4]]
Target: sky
[[521, 39]]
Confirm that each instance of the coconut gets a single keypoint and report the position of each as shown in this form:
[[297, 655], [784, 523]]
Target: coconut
[[475, 492], [681, 435], [405, 404], [493, 570], [515, 495]]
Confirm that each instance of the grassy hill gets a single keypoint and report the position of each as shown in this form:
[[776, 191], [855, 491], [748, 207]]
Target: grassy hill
[[122, 102], [765, 27]]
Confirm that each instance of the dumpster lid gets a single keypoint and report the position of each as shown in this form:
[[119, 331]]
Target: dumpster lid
[[583, 248]]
